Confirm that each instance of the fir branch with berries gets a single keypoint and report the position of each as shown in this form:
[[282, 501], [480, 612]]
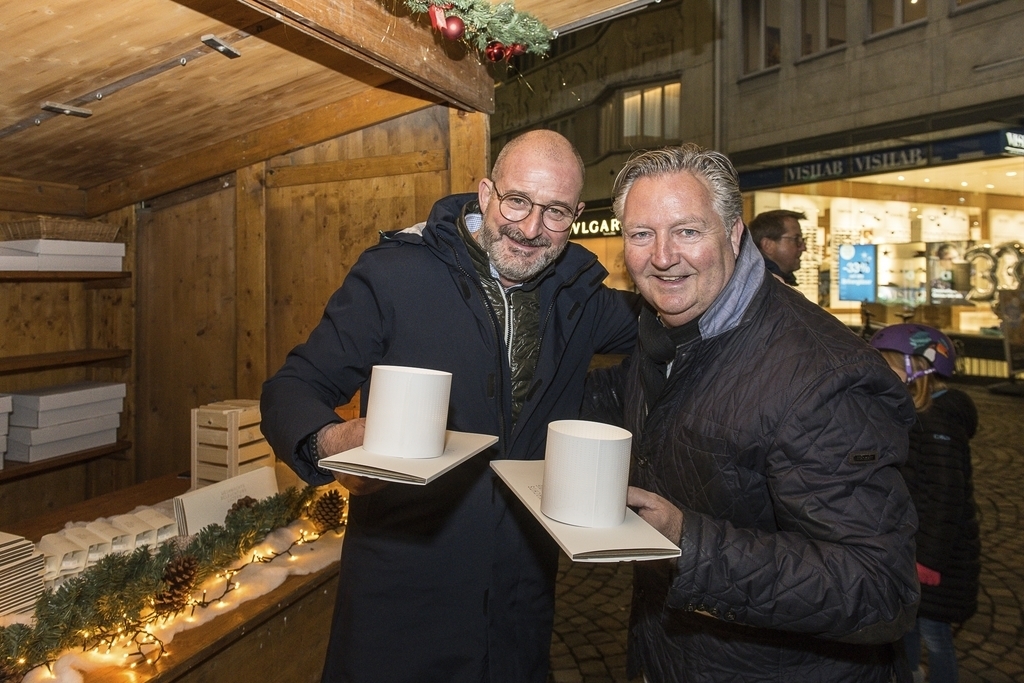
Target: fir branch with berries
[[125, 592], [497, 31]]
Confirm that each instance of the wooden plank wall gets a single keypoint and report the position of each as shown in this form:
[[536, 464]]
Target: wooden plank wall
[[316, 230], [212, 323], [111, 315], [185, 323]]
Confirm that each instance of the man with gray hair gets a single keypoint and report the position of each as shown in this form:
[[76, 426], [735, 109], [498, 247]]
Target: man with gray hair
[[767, 440]]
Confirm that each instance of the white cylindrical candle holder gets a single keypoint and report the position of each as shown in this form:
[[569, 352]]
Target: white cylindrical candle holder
[[586, 473], [407, 411]]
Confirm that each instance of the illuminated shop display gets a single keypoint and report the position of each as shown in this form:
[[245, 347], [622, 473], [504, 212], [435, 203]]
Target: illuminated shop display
[[931, 231]]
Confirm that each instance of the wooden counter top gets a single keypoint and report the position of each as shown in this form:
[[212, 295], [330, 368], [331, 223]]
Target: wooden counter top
[[107, 505], [281, 637]]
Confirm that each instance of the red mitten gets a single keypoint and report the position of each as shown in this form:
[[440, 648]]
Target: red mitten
[[928, 577]]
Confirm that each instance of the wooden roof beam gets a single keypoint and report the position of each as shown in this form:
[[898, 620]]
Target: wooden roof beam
[[33, 196], [396, 44], [345, 116]]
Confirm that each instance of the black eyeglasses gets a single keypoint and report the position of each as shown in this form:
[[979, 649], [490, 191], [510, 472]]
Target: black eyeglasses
[[797, 239], [557, 217]]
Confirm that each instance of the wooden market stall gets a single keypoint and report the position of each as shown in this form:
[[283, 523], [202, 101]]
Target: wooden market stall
[[247, 151]]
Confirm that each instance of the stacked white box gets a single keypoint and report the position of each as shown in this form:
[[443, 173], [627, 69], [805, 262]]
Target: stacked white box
[[5, 413], [47, 254], [53, 421]]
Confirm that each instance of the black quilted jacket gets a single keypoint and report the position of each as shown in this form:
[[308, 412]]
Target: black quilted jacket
[[779, 434], [938, 473]]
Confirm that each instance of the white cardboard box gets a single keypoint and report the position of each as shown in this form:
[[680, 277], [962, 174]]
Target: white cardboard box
[[6, 404], [65, 395], [34, 436], [95, 546], [19, 261], [26, 417], [166, 528], [61, 554], [17, 452], [113, 264], [69, 247], [139, 531], [49, 254], [5, 422], [120, 540]]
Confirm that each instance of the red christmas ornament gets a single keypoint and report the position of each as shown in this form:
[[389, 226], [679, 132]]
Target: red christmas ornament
[[454, 28], [514, 50], [495, 51]]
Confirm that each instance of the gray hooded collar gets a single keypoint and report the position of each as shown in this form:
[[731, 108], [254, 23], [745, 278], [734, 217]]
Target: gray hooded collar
[[732, 302]]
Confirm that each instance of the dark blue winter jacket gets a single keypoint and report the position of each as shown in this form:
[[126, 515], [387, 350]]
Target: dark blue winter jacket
[[451, 581]]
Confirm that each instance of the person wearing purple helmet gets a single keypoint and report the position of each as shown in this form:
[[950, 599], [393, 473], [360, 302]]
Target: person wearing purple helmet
[[938, 474], [919, 350]]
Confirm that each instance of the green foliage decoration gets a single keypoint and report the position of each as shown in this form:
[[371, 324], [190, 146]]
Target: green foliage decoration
[[486, 23], [115, 596]]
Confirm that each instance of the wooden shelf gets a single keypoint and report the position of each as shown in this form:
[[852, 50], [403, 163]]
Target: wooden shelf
[[18, 470], [92, 279], [59, 359]]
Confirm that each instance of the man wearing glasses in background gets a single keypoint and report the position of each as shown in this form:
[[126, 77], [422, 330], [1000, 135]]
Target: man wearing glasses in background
[[778, 237], [453, 581]]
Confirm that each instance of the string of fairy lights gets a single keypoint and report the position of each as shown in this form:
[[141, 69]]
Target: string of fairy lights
[[118, 607]]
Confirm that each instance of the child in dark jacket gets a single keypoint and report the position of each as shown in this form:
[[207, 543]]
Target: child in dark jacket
[[938, 474]]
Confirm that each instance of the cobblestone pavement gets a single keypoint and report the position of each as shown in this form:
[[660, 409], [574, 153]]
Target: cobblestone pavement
[[592, 600]]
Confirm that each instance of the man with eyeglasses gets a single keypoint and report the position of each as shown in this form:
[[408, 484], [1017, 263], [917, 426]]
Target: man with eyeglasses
[[780, 240], [454, 581]]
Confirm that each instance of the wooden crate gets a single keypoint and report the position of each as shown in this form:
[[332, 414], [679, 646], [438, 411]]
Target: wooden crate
[[227, 441]]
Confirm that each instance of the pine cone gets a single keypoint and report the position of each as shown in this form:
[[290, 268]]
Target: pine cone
[[179, 578], [242, 503], [327, 511]]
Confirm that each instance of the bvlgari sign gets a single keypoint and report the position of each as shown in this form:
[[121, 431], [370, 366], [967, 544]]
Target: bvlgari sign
[[599, 222]]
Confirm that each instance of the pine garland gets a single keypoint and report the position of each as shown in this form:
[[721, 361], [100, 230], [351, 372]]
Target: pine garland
[[487, 23], [116, 595]]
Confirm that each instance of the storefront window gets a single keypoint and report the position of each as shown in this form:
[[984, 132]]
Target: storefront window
[[940, 244], [823, 25]]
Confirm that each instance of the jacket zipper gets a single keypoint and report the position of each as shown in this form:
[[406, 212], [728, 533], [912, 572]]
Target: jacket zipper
[[506, 300]]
